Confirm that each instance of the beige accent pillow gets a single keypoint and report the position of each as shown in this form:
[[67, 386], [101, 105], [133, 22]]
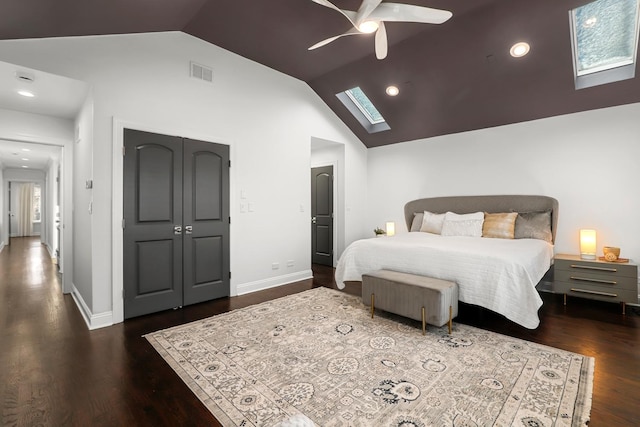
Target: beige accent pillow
[[432, 223], [499, 225]]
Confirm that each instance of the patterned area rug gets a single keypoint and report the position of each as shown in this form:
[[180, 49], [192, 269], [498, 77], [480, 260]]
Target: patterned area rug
[[318, 356]]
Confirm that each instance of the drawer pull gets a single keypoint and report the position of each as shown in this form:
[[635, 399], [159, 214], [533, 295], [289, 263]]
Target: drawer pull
[[604, 294], [588, 267], [588, 279]]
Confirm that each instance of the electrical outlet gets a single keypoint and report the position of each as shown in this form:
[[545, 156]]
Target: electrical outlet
[[290, 263], [275, 266]]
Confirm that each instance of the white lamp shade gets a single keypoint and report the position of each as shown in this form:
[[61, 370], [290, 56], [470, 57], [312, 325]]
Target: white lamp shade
[[588, 244], [391, 228]]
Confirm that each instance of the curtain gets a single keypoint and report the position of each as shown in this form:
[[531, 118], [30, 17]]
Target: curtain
[[25, 211]]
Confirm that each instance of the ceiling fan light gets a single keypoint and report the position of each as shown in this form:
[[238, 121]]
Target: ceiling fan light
[[519, 49], [368, 27], [392, 90]]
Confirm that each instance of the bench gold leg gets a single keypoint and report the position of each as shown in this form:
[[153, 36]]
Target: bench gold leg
[[450, 317], [624, 306], [424, 322], [373, 299]]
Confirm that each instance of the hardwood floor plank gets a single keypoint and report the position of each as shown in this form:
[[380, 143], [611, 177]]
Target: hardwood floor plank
[[54, 372]]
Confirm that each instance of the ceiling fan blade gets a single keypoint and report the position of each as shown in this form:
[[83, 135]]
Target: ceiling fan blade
[[381, 41], [365, 9], [409, 13], [351, 32], [349, 14]]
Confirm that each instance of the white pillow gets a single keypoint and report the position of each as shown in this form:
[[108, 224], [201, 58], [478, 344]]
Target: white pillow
[[463, 225], [432, 223]]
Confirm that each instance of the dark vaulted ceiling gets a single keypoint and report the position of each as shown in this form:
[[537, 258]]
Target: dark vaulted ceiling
[[453, 77]]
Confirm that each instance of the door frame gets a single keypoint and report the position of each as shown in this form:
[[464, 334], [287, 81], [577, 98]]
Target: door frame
[[336, 214], [117, 203]]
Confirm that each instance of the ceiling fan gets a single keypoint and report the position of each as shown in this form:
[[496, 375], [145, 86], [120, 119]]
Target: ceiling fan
[[372, 15]]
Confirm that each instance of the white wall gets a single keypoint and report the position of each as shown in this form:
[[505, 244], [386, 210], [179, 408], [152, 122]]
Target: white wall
[[588, 161], [267, 118], [82, 202], [51, 237]]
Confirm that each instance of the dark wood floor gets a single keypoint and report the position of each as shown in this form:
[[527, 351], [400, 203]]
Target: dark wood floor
[[54, 372]]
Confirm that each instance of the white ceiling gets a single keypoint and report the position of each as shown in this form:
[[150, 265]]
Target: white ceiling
[[12, 155], [55, 96]]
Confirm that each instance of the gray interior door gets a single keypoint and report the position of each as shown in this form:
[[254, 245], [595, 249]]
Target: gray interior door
[[176, 211], [322, 215], [152, 265], [206, 219]]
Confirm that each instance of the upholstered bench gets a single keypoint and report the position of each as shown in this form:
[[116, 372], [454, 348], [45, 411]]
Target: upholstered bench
[[430, 300]]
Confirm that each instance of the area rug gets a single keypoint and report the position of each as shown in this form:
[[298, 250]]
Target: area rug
[[318, 358]]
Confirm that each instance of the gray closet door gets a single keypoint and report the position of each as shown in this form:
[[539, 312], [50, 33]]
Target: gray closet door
[[206, 219], [152, 264], [176, 211], [322, 215]]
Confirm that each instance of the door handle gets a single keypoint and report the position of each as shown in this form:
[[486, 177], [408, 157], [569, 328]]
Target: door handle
[[188, 229], [313, 220], [177, 229]]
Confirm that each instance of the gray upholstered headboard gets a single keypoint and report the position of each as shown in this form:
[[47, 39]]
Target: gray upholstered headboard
[[491, 204]]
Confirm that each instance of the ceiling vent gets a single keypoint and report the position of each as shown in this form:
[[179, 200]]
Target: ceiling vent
[[201, 72], [24, 76]]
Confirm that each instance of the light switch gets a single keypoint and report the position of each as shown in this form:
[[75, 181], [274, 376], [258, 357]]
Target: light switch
[[243, 194], [252, 207], [243, 207]]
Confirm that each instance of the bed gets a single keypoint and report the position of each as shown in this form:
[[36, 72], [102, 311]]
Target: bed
[[498, 274]]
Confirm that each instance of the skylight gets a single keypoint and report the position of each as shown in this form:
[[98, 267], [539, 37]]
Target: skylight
[[363, 109], [605, 41], [365, 105]]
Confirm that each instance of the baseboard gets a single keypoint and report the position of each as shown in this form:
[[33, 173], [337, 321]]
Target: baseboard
[[272, 282], [93, 321], [51, 254]]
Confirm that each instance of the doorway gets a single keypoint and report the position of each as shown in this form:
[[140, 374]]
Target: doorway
[[25, 210], [176, 222], [322, 215]]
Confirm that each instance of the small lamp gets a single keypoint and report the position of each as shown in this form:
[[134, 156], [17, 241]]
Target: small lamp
[[588, 244], [391, 228]]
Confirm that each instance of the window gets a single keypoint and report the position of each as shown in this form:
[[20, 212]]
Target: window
[[363, 109], [605, 41], [37, 204]]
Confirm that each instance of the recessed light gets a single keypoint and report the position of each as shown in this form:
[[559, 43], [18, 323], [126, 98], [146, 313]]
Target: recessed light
[[25, 166], [26, 93], [519, 49], [368, 27], [25, 159], [392, 90], [26, 149]]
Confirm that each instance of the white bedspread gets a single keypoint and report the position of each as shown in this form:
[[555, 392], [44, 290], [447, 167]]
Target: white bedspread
[[498, 274]]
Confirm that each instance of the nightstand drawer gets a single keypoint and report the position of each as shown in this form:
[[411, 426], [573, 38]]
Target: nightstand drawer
[[600, 268], [578, 277], [585, 290]]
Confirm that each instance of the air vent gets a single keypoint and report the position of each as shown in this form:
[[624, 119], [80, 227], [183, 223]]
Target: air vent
[[201, 72], [24, 76]]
